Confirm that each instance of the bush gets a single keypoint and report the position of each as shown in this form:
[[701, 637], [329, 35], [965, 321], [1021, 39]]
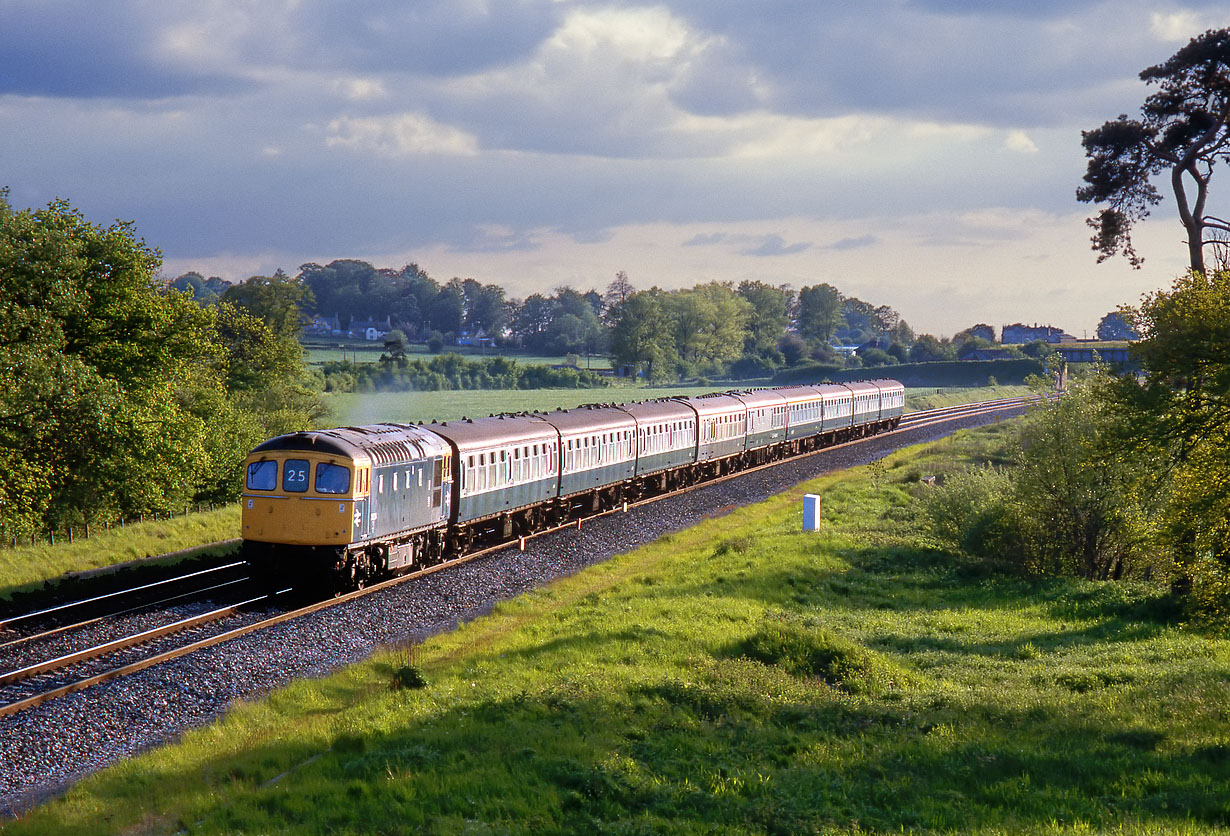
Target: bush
[[802, 648]]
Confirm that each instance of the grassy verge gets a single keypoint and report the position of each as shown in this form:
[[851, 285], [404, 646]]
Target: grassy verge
[[738, 677], [25, 567]]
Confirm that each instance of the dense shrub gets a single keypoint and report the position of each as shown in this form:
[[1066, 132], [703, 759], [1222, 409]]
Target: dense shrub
[[452, 371]]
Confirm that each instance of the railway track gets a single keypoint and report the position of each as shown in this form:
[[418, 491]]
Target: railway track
[[43, 681]]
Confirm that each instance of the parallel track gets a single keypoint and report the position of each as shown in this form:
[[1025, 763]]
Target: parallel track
[[911, 421]]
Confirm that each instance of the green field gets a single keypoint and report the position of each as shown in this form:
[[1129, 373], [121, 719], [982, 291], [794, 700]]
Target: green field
[[351, 409], [741, 677]]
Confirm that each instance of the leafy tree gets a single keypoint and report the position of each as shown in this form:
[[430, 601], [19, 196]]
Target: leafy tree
[[446, 312], [102, 373], [710, 324], [279, 300], [1185, 352], [1114, 326], [642, 334], [119, 396], [205, 291], [819, 312], [485, 307], [1184, 129], [928, 349], [768, 319]]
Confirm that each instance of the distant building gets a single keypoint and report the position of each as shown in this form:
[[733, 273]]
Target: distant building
[[370, 329], [322, 326], [1019, 334]]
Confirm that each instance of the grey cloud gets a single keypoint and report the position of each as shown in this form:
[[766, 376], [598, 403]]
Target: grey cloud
[[854, 243], [774, 245], [87, 49], [434, 37], [703, 240]]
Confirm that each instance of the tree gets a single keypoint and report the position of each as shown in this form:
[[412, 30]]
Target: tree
[[710, 324], [1184, 129], [819, 311], [642, 334], [485, 307], [1114, 326], [278, 299], [617, 291], [1185, 352], [928, 349], [768, 319]]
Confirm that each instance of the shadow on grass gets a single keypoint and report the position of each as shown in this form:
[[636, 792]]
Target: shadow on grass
[[709, 754]]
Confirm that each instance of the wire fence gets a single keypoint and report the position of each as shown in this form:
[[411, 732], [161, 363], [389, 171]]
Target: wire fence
[[72, 533]]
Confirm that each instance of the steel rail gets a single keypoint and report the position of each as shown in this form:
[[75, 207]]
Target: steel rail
[[64, 628], [918, 420], [8, 622]]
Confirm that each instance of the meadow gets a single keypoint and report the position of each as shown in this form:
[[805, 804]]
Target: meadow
[[739, 677]]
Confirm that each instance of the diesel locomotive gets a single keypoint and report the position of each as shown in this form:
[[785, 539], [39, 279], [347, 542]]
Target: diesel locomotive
[[343, 507]]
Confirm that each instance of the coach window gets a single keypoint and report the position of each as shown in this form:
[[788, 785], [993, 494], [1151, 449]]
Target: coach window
[[332, 478], [262, 476], [295, 476]]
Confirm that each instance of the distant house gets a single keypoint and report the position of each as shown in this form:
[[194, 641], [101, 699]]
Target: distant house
[[478, 338], [1019, 334], [322, 326], [370, 329]]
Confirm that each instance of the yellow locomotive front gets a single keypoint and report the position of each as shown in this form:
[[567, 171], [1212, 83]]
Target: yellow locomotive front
[[303, 497]]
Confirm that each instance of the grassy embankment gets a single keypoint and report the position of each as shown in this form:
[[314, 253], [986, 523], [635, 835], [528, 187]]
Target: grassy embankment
[[738, 677], [25, 567]]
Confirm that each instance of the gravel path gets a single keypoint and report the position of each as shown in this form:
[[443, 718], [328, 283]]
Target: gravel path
[[47, 748]]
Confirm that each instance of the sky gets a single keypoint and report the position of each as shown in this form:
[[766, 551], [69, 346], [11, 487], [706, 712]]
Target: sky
[[922, 154]]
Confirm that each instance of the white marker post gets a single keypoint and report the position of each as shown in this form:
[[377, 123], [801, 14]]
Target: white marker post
[[811, 512]]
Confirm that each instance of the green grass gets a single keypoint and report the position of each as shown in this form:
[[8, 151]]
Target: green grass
[[738, 677], [25, 567]]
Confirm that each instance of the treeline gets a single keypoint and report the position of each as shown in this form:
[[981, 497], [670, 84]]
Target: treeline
[[713, 330], [451, 371], [117, 396], [1122, 478]]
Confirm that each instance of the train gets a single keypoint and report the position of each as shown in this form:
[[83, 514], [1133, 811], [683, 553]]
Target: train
[[345, 507]]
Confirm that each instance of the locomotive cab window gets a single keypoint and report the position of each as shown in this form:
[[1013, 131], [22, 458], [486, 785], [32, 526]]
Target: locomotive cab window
[[332, 478], [262, 476], [295, 475]]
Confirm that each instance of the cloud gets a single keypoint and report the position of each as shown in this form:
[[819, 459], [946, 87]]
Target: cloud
[[854, 243], [1020, 142], [1183, 25], [398, 136], [775, 245]]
